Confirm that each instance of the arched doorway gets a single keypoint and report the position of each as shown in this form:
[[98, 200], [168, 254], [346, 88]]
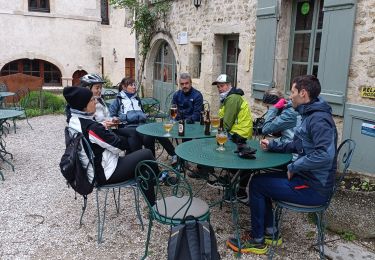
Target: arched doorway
[[164, 77], [76, 76]]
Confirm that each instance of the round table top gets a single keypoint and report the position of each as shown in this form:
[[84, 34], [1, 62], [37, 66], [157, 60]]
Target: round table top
[[6, 94], [203, 151], [192, 131], [9, 113]]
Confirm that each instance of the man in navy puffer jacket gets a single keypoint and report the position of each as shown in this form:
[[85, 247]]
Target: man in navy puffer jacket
[[310, 178]]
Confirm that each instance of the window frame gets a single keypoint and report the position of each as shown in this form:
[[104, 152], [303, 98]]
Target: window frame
[[38, 8], [104, 12], [20, 69], [226, 39], [313, 35]]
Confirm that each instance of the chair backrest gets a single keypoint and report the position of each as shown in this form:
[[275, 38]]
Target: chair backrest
[[344, 157], [109, 94], [21, 97], [174, 186]]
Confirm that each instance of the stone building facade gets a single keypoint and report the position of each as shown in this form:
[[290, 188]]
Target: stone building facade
[[69, 37], [265, 44]]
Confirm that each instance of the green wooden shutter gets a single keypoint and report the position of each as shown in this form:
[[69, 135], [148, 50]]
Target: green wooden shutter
[[335, 53], [265, 42]]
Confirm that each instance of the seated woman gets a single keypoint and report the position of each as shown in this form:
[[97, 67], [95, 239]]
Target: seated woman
[[95, 83], [106, 146], [128, 108], [281, 118]]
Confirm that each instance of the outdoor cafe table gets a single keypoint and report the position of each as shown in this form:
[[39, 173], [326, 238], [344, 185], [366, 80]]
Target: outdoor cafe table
[[203, 151], [3, 95], [6, 114], [192, 131]]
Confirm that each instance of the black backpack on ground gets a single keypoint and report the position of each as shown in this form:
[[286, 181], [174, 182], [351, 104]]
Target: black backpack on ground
[[192, 240], [71, 166]]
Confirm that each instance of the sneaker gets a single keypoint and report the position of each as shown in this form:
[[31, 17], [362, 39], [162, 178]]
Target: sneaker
[[219, 183], [174, 160], [267, 238], [247, 246]]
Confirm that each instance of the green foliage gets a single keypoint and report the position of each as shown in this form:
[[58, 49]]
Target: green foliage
[[348, 235], [108, 83], [146, 19], [52, 104]]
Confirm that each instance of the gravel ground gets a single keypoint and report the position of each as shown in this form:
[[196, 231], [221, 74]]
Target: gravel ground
[[40, 216]]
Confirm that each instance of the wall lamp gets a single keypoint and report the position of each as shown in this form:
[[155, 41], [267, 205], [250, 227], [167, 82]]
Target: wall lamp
[[197, 3]]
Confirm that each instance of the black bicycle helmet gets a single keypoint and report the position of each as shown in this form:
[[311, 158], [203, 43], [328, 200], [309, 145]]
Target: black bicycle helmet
[[90, 80]]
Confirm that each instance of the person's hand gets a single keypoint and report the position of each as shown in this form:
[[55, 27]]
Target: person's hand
[[280, 104], [264, 144], [115, 120], [290, 175]]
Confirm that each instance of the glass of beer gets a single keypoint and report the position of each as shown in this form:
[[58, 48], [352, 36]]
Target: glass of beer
[[221, 138], [173, 111], [215, 121], [167, 127]]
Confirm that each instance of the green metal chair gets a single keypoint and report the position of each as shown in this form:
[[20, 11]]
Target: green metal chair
[[106, 188], [344, 156], [174, 199]]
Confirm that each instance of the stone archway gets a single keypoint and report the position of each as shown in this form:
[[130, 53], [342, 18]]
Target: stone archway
[[76, 76]]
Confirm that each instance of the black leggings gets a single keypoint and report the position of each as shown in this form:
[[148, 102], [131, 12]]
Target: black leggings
[[136, 140], [125, 170]]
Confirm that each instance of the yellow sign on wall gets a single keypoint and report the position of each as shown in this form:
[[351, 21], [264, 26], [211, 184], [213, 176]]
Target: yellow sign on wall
[[368, 92]]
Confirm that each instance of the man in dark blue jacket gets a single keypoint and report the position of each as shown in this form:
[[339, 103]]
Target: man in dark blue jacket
[[189, 101], [309, 179]]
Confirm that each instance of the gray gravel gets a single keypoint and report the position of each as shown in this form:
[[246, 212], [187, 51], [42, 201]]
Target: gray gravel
[[40, 216]]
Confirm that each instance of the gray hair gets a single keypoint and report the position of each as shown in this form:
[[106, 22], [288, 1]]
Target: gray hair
[[185, 75]]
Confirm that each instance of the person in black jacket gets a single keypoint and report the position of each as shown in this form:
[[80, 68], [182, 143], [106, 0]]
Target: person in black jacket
[[106, 146]]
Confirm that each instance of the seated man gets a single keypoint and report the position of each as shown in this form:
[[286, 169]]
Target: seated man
[[310, 178], [237, 119], [189, 101]]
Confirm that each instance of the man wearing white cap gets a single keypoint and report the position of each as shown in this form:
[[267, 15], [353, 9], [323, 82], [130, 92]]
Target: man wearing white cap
[[234, 109]]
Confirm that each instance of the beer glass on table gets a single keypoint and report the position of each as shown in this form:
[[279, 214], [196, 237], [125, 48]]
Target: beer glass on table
[[168, 127], [215, 121], [221, 138], [173, 111]]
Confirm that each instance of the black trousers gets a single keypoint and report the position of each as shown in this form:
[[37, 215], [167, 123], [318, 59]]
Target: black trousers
[[125, 170], [136, 140]]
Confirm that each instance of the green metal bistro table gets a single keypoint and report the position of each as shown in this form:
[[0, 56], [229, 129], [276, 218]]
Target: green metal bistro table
[[6, 114], [3, 95], [203, 151], [192, 131]]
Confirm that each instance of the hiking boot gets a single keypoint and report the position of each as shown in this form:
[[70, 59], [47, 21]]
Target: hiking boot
[[247, 246], [219, 183], [267, 238]]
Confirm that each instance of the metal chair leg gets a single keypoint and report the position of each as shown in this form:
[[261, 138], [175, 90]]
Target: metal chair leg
[[148, 237], [321, 231], [2, 177], [277, 213], [83, 210], [136, 201], [101, 223]]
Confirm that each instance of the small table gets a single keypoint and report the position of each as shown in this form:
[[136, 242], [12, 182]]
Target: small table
[[203, 151], [3, 95], [192, 131], [6, 114]]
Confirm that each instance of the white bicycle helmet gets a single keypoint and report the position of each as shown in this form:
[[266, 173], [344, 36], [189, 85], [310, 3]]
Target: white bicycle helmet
[[90, 80]]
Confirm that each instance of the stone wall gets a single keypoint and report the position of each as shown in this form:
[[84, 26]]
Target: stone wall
[[208, 24]]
